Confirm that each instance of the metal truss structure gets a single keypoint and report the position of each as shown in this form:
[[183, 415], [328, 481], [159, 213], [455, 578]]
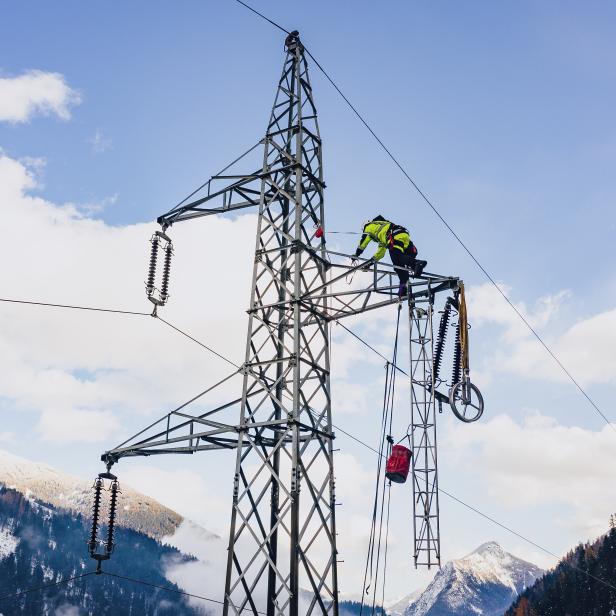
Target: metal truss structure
[[427, 541], [282, 556]]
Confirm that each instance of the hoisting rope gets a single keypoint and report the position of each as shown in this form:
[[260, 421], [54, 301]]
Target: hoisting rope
[[380, 510], [463, 323]]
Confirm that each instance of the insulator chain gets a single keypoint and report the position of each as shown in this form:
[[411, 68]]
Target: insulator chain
[[440, 341], [152, 268], [94, 541], [164, 289], [113, 505], [456, 375], [159, 241], [96, 506]]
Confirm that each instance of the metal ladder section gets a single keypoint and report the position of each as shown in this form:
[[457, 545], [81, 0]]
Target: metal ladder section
[[427, 540]]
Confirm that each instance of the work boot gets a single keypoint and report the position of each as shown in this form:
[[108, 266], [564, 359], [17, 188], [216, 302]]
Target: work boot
[[418, 268]]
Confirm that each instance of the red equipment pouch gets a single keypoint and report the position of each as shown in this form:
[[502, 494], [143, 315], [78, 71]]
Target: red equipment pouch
[[398, 464]]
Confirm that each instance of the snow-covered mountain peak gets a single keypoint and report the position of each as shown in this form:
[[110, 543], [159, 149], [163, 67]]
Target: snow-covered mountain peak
[[489, 563], [490, 547], [482, 583]]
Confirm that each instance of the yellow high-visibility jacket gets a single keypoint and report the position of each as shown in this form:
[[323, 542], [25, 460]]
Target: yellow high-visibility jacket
[[379, 231]]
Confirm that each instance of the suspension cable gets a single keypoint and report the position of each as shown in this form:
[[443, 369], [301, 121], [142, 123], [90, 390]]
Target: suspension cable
[[205, 346], [174, 590], [451, 230], [90, 308], [32, 589]]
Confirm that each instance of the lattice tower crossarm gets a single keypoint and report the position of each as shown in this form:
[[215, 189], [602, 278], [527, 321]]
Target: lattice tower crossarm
[[282, 539]]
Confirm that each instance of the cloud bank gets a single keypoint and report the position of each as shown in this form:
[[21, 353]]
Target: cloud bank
[[36, 93]]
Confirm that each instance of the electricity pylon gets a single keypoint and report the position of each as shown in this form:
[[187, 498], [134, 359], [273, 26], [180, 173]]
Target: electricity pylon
[[282, 539]]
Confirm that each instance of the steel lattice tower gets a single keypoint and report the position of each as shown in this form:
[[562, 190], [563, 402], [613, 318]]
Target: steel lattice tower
[[282, 539], [283, 483]]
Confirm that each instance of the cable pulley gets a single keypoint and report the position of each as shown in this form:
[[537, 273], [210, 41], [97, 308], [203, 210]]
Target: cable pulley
[[158, 292], [101, 548]]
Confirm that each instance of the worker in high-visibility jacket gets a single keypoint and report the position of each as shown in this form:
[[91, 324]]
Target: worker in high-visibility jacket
[[396, 239]]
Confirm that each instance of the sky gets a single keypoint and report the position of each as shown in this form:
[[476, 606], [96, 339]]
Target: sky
[[503, 115]]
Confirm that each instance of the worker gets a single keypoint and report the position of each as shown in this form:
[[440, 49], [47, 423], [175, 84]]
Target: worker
[[402, 251]]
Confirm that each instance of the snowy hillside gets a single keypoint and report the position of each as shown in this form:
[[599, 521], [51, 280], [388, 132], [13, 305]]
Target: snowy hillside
[[49, 485], [483, 583], [41, 544]]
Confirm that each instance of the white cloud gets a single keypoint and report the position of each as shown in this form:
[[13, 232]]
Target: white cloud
[[486, 305], [584, 348], [82, 376], [541, 462], [36, 92], [185, 491], [66, 364], [70, 425]]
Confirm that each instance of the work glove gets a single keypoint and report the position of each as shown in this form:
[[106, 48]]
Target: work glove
[[354, 261], [367, 265]]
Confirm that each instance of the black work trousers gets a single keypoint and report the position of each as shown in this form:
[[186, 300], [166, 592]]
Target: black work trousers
[[403, 259]]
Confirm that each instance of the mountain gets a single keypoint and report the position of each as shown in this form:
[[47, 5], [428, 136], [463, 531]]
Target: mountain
[[398, 608], [41, 544], [44, 525], [483, 583], [583, 584], [44, 483]]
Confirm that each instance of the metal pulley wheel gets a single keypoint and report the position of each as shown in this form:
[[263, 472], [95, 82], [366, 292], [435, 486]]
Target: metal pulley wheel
[[466, 401]]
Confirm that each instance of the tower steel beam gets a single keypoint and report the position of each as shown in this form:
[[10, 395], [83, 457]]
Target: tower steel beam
[[426, 527], [282, 556]]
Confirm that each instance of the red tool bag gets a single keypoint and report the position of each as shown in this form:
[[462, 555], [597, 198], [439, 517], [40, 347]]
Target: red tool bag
[[398, 464]]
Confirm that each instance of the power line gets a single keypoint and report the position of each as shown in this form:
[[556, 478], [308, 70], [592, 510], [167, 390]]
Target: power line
[[262, 16], [455, 498], [73, 307], [175, 590], [205, 346], [493, 520], [464, 246], [338, 428], [208, 348], [449, 227], [370, 347], [44, 586]]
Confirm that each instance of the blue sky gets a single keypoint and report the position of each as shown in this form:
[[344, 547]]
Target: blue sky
[[502, 113]]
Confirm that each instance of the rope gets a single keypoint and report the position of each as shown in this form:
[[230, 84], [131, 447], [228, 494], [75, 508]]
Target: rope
[[372, 567], [386, 546]]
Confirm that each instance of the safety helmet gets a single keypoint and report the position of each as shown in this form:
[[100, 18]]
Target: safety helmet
[[376, 218]]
